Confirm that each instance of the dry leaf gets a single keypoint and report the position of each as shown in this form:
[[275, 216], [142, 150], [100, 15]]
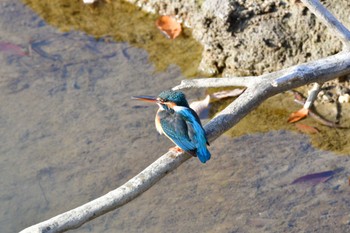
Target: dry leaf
[[298, 96], [298, 115], [306, 128], [169, 26], [201, 107], [227, 94], [316, 178], [10, 48]]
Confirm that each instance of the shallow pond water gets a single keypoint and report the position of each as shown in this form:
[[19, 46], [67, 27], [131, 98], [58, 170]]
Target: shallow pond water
[[70, 133], [122, 21]]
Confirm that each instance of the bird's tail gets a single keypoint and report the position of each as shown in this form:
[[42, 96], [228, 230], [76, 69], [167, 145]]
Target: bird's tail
[[203, 154]]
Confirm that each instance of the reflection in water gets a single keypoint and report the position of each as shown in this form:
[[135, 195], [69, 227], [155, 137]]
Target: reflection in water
[[70, 133]]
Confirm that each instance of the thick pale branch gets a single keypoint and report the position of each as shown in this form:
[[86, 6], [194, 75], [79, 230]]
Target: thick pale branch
[[258, 89], [140, 183], [216, 82], [324, 69], [318, 71], [289, 75]]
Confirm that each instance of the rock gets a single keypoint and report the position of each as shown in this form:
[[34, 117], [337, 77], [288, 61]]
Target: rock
[[344, 98], [253, 37]]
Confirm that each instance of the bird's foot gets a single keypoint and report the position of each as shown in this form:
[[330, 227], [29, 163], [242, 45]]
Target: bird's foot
[[176, 149]]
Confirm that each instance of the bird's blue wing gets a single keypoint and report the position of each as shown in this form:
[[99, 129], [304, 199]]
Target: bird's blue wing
[[176, 128], [196, 132], [183, 127]]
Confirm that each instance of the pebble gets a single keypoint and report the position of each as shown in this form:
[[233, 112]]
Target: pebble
[[327, 97], [344, 98], [89, 1]]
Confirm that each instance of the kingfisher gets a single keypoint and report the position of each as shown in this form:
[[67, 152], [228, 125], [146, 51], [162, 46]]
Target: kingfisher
[[181, 124]]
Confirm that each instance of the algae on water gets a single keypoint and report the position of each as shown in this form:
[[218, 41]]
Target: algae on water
[[124, 22]]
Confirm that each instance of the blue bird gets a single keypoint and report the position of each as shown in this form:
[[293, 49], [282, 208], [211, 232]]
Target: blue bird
[[176, 120]]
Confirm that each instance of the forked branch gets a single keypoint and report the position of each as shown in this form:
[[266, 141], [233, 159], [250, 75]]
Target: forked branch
[[258, 89]]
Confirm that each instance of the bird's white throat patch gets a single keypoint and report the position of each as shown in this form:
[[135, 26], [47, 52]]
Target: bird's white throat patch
[[179, 108]]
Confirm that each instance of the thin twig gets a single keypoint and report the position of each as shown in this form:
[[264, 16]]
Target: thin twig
[[312, 96], [300, 99]]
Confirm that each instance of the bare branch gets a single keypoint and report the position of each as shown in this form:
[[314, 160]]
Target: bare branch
[[258, 89], [319, 71], [314, 114], [315, 71], [323, 69], [290, 75], [313, 95], [140, 183], [216, 82]]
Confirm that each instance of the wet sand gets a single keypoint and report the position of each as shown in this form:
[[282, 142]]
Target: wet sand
[[70, 133]]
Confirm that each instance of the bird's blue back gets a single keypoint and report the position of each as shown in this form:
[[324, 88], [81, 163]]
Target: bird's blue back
[[183, 127]]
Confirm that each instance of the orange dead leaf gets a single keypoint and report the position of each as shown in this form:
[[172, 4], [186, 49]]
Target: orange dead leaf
[[298, 115], [201, 105], [169, 26], [306, 128]]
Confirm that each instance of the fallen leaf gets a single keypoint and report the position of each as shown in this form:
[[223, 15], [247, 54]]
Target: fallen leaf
[[298, 96], [201, 107], [227, 94], [10, 48], [306, 128], [298, 115], [169, 26], [316, 178], [299, 99]]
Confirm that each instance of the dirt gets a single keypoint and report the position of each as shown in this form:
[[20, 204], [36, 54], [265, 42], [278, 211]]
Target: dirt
[[253, 37]]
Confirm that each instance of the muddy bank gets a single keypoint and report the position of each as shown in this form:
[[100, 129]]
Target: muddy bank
[[248, 37]]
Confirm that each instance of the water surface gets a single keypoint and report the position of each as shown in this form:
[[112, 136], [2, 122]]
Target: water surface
[[70, 133]]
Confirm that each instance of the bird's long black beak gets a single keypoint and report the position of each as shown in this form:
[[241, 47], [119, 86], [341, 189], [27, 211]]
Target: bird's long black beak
[[145, 98]]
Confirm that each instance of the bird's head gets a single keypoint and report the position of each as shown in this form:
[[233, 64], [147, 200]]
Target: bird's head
[[172, 98], [167, 99]]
